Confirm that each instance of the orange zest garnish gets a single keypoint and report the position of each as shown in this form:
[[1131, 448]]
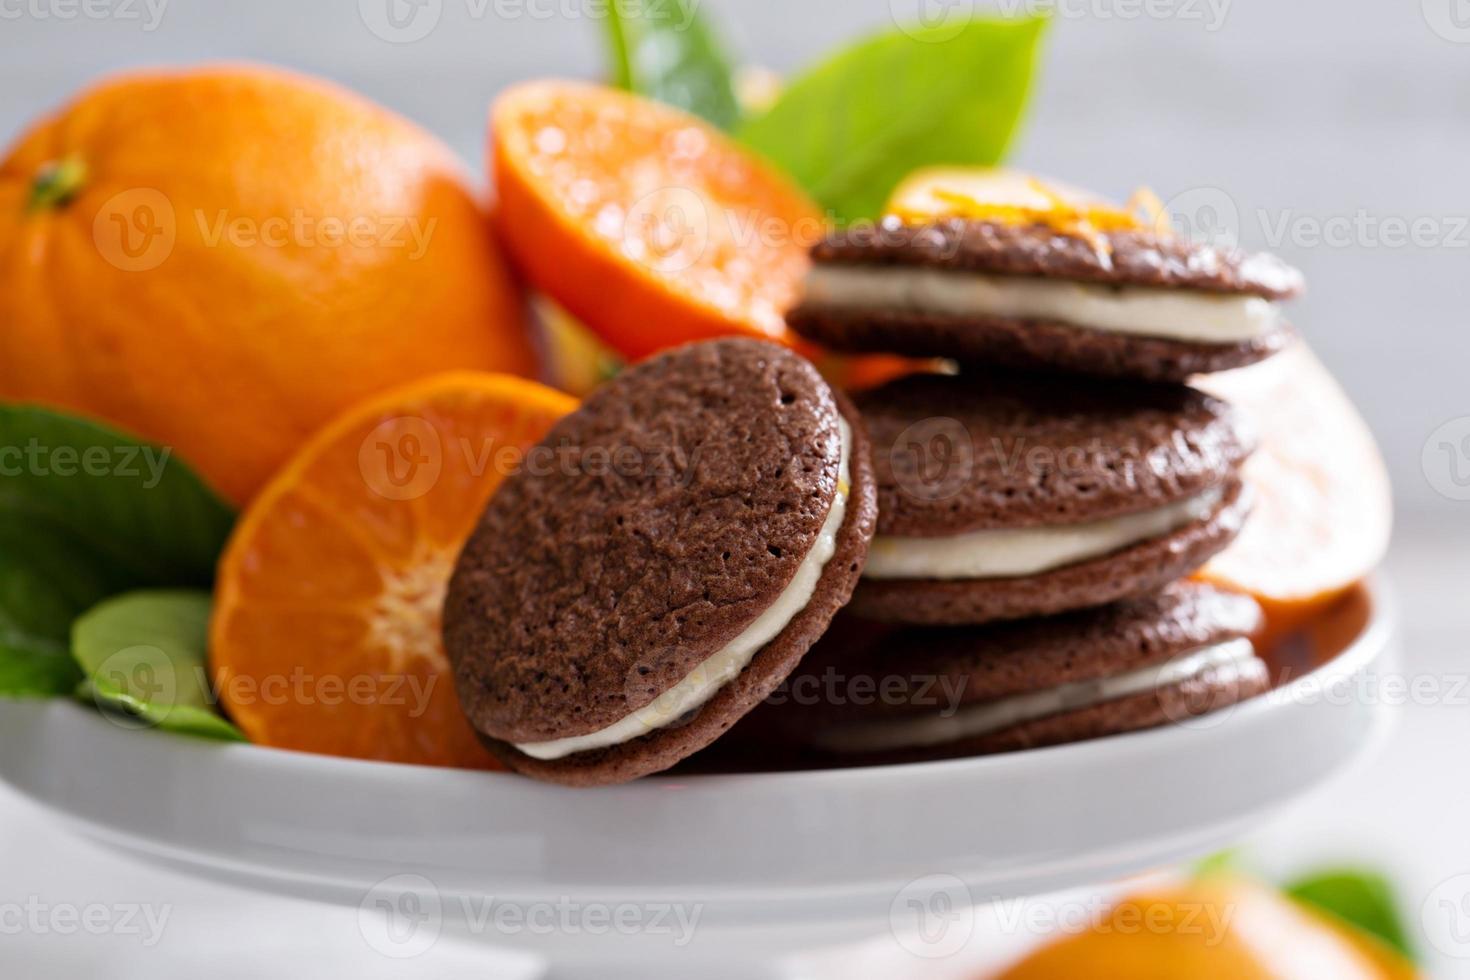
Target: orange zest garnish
[[1013, 197]]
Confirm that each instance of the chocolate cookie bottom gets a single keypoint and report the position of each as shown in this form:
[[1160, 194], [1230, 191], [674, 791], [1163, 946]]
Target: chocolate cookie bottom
[[1028, 343]]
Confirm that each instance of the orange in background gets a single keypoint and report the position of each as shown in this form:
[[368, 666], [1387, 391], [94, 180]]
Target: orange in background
[[643, 222], [1214, 929], [326, 628], [222, 258], [1323, 509]]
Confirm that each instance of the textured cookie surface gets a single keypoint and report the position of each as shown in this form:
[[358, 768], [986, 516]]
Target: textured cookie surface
[[652, 526], [985, 450], [1133, 258]]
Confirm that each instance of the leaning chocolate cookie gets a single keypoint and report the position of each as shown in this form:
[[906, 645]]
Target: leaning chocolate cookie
[[1125, 302], [920, 693], [661, 563], [1003, 495]]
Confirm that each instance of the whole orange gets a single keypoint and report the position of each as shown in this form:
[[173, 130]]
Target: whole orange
[[220, 259]]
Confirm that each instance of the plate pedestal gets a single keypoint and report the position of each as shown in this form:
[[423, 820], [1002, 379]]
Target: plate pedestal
[[760, 867]]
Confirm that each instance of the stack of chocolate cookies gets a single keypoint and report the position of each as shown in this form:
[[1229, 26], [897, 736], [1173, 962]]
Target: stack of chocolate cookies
[[1039, 508], [962, 562]]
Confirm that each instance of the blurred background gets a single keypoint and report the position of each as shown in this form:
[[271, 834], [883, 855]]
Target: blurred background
[[1333, 132]]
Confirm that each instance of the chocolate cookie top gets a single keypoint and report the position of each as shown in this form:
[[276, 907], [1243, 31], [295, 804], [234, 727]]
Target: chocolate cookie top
[[1136, 258], [663, 517], [1006, 449], [968, 664]]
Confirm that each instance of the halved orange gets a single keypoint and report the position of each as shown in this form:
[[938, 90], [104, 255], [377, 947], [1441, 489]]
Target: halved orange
[[644, 222], [325, 635], [1323, 508]]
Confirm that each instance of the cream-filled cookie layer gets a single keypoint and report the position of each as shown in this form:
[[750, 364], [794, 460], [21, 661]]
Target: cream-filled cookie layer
[[1226, 661], [1013, 552], [701, 683], [1173, 314]]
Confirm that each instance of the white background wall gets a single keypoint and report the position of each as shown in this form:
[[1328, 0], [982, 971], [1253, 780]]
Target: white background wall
[[1299, 110]]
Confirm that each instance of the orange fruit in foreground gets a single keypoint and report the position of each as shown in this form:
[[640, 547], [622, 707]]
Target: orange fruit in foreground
[[1323, 509], [325, 633], [1213, 929], [643, 222], [220, 259]]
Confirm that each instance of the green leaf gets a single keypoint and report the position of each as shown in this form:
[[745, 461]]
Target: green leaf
[[146, 516], [86, 512], [664, 49], [144, 657], [48, 577], [1359, 898], [853, 127]]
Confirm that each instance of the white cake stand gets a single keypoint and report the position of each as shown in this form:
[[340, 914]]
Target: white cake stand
[[708, 876]]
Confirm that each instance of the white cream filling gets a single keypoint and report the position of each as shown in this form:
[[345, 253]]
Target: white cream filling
[[701, 683], [1174, 314], [1011, 552], [1228, 660]]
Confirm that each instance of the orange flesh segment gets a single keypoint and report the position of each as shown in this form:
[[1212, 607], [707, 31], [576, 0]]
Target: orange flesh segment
[[645, 223], [326, 630], [1323, 508]]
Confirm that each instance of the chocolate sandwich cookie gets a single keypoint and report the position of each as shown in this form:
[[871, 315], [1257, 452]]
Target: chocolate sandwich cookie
[[917, 693], [1003, 495], [661, 563], [1127, 302]]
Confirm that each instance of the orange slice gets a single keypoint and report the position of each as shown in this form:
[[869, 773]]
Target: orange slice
[[1323, 509], [325, 635], [643, 222]]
